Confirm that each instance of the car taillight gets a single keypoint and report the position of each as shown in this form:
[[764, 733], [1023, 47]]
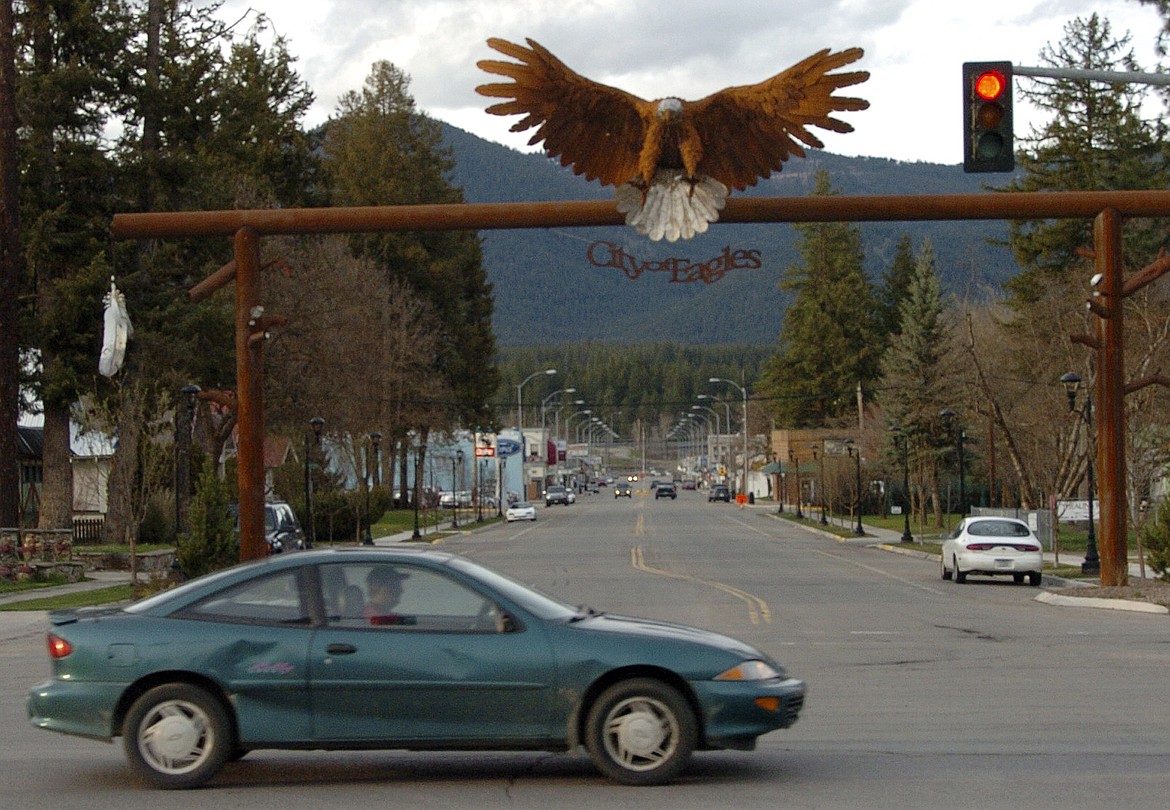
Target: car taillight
[[990, 546], [58, 647]]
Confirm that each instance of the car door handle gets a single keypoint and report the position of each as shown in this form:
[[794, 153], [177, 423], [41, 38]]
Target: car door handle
[[341, 649]]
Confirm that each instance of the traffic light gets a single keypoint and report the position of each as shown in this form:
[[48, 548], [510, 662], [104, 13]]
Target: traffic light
[[987, 117]]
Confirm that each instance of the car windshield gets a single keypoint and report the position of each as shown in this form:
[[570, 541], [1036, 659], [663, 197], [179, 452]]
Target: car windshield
[[998, 528], [537, 603]]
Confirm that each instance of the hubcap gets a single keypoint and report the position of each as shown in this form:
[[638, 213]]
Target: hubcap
[[175, 737], [641, 733]]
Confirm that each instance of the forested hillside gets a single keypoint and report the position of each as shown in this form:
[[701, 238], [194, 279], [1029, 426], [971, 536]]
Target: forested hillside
[[548, 291]]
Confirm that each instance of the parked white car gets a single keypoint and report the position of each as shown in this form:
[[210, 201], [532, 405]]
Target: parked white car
[[993, 546]]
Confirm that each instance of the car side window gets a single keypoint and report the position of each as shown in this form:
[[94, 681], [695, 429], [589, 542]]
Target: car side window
[[275, 599], [403, 597]]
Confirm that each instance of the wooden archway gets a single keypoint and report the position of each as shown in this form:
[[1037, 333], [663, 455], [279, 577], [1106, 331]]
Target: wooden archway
[[1108, 209]]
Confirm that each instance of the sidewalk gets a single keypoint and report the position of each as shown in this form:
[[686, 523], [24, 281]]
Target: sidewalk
[[95, 581]]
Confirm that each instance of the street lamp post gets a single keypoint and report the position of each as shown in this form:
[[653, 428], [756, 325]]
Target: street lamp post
[[375, 443], [184, 419], [457, 459], [900, 438], [855, 451], [743, 391], [821, 483], [950, 419], [1072, 382], [316, 423], [520, 405], [795, 463]]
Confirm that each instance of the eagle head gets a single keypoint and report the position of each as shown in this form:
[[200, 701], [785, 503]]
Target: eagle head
[[669, 109]]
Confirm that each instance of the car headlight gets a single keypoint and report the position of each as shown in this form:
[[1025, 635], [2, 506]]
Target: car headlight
[[749, 671]]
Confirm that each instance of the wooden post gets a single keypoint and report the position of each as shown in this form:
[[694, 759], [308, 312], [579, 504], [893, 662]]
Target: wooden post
[[1110, 400], [249, 398]]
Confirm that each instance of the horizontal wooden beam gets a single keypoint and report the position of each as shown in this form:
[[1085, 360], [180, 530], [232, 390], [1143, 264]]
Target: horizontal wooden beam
[[495, 216]]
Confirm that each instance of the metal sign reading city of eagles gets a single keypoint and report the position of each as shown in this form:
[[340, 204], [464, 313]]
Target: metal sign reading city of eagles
[[682, 271]]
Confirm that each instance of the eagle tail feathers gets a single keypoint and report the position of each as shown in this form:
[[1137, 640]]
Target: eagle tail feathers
[[673, 207]]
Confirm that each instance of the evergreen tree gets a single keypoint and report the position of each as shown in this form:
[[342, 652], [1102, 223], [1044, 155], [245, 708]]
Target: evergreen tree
[[894, 286], [1096, 140], [214, 541], [829, 342], [917, 374], [381, 151]]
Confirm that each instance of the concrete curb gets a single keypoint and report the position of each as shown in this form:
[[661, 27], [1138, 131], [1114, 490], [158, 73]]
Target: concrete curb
[[1061, 600]]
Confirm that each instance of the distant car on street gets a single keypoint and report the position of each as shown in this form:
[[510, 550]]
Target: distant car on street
[[521, 510], [665, 491], [623, 490], [719, 492], [555, 495]]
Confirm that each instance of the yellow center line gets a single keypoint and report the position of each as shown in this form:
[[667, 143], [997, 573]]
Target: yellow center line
[[757, 608]]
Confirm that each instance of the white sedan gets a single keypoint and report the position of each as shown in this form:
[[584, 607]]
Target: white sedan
[[992, 546], [521, 510]]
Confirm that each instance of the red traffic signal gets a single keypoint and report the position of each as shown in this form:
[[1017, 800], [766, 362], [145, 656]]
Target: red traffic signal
[[987, 117]]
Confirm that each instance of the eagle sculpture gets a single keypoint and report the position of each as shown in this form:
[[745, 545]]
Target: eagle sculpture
[[672, 161]]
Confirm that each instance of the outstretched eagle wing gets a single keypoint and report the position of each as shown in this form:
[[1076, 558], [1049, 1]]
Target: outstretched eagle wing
[[595, 128], [748, 132]]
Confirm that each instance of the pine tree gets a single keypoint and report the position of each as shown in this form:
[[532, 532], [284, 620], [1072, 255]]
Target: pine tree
[[917, 374], [829, 341], [894, 286], [1096, 140], [381, 151]]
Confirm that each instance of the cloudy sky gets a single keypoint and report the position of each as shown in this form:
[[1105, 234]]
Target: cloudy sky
[[914, 50]]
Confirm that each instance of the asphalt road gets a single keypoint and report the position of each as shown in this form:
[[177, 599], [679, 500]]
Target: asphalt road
[[922, 693]]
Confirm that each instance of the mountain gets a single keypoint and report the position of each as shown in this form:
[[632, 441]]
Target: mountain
[[547, 291]]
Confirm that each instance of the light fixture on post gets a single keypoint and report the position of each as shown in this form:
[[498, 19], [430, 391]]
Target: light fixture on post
[[900, 438], [1072, 383], [316, 424]]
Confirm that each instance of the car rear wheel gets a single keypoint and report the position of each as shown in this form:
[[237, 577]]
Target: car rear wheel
[[1018, 579], [641, 732], [1034, 578], [960, 576], [177, 736]]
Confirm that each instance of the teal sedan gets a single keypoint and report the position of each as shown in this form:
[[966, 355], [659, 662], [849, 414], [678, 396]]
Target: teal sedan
[[359, 648]]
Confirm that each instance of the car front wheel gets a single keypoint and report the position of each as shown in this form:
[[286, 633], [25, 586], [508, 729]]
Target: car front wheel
[[177, 736], [946, 572], [641, 732]]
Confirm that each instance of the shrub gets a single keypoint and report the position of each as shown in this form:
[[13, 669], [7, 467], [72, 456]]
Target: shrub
[[213, 543], [1156, 538]]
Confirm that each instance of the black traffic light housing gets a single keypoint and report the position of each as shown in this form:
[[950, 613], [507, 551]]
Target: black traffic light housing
[[987, 117]]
